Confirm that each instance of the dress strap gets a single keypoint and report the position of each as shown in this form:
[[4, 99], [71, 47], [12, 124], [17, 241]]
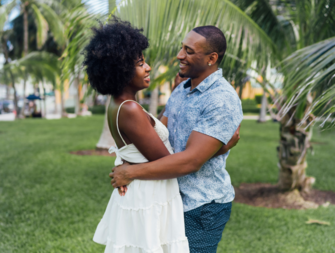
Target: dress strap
[[117, 119]]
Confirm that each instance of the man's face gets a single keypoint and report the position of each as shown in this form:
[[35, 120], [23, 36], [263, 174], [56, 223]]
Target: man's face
[[192, 55]]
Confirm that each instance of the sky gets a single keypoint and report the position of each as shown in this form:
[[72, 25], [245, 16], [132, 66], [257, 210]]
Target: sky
[[97, 5], [93, 6]]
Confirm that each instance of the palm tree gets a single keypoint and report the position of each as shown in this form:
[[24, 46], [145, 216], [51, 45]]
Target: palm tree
[[45, 19], [308, 86], [41, 66], [309, 89], [9, 79], [78, 31]]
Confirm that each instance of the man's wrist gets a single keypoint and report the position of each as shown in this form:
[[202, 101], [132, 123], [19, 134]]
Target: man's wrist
[[131, 171]]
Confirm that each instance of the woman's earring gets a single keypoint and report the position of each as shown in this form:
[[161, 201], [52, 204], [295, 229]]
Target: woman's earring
[[209, 64]]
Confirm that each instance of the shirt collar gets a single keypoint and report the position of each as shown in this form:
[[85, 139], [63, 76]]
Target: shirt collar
[[207, 82]]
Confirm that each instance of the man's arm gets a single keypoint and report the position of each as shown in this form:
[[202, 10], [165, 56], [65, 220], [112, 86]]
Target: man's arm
[[232, 143], [199, 149]]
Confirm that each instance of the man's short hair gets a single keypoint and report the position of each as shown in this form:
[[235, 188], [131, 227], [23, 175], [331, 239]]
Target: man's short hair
[[215, 39]]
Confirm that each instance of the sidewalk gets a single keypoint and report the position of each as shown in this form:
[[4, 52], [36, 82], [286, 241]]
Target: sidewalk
[[255, 117], [7, 117]]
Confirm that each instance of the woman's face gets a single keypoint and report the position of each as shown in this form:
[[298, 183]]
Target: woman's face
[[141, 79]]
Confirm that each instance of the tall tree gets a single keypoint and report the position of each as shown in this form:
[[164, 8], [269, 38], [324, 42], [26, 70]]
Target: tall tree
[[9, 77], [308, 86]]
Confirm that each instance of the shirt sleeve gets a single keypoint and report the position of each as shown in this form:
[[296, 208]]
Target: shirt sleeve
[[221, 117]]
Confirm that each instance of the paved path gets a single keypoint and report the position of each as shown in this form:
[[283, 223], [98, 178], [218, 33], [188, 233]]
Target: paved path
[[7, 117], [255, 117]]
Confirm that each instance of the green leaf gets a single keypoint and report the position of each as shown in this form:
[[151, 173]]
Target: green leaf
[[42, 26], [55, 24], [4, 12]]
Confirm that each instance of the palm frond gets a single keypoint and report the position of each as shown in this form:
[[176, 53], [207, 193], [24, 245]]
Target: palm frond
[[166, 23], [311, 72], [55, 24], [4, 12], [42, 26], [78, 31]]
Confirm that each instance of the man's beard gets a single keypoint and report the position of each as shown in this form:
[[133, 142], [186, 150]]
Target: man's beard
[[182, 75]]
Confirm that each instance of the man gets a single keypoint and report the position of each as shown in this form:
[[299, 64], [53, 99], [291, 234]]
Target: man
[[203, 116]]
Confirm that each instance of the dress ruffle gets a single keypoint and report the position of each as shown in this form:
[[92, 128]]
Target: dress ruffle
[[144, 223], [175, 246]]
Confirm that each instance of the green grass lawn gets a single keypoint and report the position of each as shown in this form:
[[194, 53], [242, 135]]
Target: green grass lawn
[[52, 201]]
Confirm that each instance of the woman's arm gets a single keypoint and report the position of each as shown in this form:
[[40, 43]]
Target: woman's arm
[[136, 127]]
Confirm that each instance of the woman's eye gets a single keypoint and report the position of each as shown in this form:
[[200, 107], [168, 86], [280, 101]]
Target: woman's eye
[[141, 64]]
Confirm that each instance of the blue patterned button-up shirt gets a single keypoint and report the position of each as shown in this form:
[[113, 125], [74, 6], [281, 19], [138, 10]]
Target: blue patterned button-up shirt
[[212, 108]]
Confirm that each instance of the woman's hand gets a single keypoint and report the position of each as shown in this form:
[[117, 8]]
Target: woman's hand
[[119, 176], [122, 190]]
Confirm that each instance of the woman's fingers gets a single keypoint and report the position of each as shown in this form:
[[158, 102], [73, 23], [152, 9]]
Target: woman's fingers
[[120, 192]]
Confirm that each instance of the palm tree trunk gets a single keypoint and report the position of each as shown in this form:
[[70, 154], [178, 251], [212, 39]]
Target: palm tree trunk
[[5, 53], [106, 140], [15, 94], [44, 101], [25, 29], [24, 95], [77, 97], [154, 101], [262, 114], [62, 106], [292, 152]]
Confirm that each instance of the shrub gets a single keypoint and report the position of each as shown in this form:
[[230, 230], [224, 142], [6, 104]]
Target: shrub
[[69, 109], [97, 109], [250, 106], [258, 99]]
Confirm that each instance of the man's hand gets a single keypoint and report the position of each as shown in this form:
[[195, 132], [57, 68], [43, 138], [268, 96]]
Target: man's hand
[[177, 80], [234, 140], [232, 143], [119, 176]]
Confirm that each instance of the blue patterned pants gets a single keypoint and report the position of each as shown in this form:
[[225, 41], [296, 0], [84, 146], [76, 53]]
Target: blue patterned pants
[[204, 226]]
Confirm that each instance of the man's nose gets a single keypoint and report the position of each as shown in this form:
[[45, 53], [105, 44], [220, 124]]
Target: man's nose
[[181, 54]]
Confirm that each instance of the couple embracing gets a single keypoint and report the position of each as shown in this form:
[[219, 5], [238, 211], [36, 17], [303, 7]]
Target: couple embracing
[[173, 193]]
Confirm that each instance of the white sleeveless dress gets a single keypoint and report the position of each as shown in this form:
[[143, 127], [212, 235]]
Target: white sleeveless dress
[[149, 218]]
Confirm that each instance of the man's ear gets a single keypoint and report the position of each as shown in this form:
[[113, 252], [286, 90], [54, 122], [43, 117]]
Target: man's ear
[[213, 58]]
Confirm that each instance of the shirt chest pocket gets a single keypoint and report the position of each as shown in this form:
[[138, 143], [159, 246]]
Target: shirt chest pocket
[[189, 116]]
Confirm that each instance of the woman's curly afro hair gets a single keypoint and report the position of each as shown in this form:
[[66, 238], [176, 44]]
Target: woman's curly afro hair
[[110, 56]]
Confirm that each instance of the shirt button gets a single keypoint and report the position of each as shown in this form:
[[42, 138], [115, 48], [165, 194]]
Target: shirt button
[[175, 130], [179, 112], [188, 95]]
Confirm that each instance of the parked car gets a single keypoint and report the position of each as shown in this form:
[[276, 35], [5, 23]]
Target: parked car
[[6, 106]]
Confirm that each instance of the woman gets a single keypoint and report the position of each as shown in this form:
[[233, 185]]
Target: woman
[[149, 217]]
